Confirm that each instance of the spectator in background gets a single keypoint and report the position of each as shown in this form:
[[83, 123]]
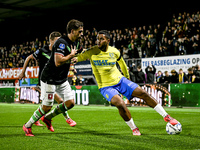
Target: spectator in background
[[80, 80], [137, 41], [167, 77], [176, 49], [196, 45], [182, 77], [192, 76], [174, 77], [133, 52], [134, 34], [144, 31], [46, 41], [152, 40], [170, 48], [149, 50], [197, 69], [148, 35], [143, 41], [180, 32], [139, 75], [160, 52], [150, 71], [74, 80], [164, 45], [125, 53], [36, 43], [159, 77], [186, 45]]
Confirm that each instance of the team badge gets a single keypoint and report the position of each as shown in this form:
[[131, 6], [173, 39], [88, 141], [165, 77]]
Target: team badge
[[50, 96], [37, 52], [62, 46], [111, 55]]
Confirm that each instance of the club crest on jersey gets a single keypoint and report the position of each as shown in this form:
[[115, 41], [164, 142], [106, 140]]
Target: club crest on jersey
[[37, 52], [50, 96], [62, 46], [111, 55]]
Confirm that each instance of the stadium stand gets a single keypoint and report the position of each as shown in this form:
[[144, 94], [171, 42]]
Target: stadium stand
[[179, 36]]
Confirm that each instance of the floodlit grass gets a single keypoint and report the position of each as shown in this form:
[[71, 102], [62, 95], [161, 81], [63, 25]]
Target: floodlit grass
[[99, 127]]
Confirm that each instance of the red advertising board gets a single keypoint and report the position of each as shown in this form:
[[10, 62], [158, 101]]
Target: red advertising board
[[31, 72], [13, 73]]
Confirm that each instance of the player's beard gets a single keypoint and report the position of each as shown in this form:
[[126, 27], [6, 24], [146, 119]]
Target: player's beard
[[103, 47]]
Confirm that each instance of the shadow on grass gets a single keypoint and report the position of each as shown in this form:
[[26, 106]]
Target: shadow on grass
[[82, 136]]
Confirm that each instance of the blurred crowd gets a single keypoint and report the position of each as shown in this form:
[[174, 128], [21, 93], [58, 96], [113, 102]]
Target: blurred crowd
[[179, 36], [153, 76]]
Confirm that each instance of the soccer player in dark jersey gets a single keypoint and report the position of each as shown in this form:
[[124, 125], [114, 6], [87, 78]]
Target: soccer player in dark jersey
[[42, 55], [54, 77]]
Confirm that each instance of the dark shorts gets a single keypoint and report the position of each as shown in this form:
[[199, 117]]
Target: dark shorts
[[124, 87]]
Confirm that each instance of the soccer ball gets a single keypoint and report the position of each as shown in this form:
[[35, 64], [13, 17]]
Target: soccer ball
[[176, 129]]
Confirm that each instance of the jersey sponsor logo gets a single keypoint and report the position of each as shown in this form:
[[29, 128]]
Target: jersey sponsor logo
[[103, 63], [58, 49], [62, 46]]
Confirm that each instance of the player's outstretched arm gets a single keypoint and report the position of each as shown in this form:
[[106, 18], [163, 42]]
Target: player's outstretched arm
[[87, 53], [22, 74]]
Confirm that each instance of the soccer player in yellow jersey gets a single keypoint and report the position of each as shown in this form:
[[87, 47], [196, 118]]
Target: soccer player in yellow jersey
[[111, 82]]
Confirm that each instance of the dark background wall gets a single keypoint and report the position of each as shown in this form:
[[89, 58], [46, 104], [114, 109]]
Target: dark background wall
[[99, 14]]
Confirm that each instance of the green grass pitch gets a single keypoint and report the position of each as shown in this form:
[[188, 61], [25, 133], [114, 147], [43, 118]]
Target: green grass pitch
[[99, 127]]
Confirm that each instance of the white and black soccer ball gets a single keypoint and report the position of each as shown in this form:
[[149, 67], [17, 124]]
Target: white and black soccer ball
[[176, 129]]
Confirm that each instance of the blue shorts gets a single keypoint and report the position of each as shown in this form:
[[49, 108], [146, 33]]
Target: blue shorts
[[125, 87]]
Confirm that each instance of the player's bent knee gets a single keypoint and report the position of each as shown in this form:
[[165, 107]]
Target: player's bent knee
[[119, 104], [117, 101], [70, 104]]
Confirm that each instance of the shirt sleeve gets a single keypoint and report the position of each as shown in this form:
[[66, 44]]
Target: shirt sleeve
[[36, 54], [88, 53], [60, 48], [122, 65]]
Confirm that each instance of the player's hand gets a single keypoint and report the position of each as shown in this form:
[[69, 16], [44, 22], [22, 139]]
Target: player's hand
[[74, 60], [22, 76], [73, 51]]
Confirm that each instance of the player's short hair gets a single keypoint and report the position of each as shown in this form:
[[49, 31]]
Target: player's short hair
[[73, 24], [106, 33], [54, 34]]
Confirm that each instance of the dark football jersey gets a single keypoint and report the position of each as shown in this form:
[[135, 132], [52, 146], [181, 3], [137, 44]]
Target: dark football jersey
[[42, 55], [58, 75]]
